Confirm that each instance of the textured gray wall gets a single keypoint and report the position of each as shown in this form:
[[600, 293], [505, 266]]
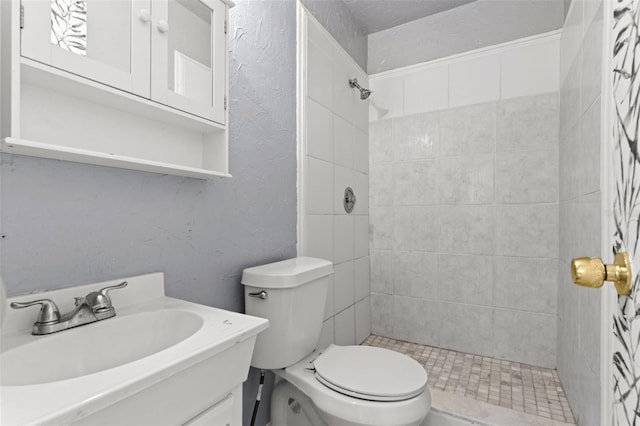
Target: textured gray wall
[[66, 224], [471, 26], [338, 20]]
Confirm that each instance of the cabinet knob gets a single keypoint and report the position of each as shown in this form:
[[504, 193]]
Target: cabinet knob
[[163, 26], [144, 15]]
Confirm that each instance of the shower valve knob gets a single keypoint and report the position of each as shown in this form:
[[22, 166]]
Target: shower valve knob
[[349, 200], [592, 272]]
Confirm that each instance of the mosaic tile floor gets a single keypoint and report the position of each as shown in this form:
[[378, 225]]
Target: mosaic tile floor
[[520, 387]]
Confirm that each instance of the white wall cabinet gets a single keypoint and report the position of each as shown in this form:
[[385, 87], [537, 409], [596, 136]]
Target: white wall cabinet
[[138, 84]]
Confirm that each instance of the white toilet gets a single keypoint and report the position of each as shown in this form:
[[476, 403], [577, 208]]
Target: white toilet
[[338, 385]]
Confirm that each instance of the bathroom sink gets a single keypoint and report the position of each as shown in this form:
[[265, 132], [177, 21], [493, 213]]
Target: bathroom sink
[[89, 349], [160, 360]]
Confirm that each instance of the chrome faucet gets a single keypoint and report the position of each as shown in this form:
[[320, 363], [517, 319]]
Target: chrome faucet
[[96, 306]]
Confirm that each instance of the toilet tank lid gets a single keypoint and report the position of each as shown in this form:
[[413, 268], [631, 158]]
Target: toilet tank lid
[[287, 273]]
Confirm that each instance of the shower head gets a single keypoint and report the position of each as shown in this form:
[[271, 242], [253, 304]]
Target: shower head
[[364, 93]]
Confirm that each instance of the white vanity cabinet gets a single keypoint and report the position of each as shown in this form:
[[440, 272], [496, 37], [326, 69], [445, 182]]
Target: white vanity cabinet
[[138, 84]]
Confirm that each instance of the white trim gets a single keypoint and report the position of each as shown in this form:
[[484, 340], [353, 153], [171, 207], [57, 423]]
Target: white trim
[[471, 54], [301, 94], [608, 303], [79, 155]]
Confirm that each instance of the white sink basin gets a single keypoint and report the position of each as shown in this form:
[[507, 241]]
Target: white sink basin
[[158, 361], [80, 351]]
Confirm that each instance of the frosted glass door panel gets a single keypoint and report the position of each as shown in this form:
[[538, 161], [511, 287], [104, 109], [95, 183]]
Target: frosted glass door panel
[[104, 40], [69, 25], [189, 56]]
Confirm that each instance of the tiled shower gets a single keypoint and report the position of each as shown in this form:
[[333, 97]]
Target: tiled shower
[[464, 202], [459, 237]]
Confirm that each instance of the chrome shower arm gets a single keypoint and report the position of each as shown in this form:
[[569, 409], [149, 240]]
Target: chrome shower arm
[[364, 93]]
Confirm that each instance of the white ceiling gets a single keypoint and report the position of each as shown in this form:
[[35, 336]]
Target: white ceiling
[[378, 15]]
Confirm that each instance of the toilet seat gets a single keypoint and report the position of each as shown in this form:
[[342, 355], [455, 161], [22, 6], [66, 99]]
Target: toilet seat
[[370, 373], [339, 408]]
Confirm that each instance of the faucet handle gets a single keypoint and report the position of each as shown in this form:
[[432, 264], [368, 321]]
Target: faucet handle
[[49, 313], [100, 300]]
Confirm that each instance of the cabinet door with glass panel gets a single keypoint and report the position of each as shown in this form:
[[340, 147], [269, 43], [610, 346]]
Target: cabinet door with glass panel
[[189, 56], [170, 51], [104, 40]]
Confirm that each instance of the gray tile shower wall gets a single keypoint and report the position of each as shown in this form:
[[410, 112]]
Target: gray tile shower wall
[[464, 204], [464, 234]]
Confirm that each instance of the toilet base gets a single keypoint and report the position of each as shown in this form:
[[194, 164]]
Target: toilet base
[[291, 407]]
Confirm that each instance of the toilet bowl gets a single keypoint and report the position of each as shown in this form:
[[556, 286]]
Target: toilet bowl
[[339, 385], [352, 386]]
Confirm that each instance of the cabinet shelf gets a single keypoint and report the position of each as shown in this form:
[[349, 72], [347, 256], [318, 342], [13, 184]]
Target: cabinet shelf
[[59, 152], [45, 76], [115, 109]]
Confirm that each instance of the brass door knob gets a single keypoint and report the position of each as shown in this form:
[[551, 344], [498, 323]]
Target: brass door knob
[[591, 272]]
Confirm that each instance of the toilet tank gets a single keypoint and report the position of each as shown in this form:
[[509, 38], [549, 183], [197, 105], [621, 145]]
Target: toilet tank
[[291, 294]]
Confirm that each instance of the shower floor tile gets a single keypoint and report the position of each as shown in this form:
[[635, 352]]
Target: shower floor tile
[[512, 385]]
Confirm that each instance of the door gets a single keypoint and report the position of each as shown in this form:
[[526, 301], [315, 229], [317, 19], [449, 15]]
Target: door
[[622, 161], [104, 40], [189, 56]]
